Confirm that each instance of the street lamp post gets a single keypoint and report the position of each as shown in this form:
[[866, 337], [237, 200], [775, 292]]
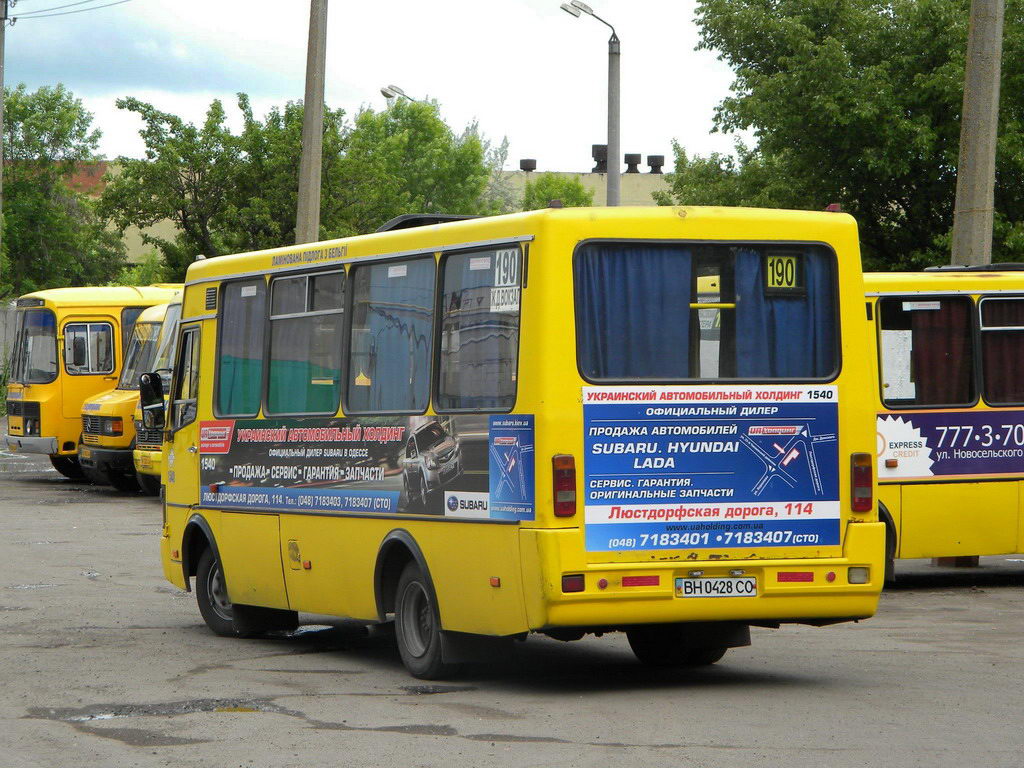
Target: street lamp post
[[575, 8]]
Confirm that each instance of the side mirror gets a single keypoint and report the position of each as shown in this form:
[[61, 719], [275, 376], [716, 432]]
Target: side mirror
[[78, 356], [151, 398]]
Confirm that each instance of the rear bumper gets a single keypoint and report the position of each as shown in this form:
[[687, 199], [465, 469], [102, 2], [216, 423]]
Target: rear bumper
[[814, 599], [103, 459], [44, 445]]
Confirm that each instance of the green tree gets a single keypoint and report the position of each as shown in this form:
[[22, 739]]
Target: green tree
[[148, 270], [186, 176], [52, 236], [262, 206], [406, 159], [539, 192], [857, 102]]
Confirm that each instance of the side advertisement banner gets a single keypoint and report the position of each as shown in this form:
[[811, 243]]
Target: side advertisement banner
[[950, 443], [424, 465], [711, 467]]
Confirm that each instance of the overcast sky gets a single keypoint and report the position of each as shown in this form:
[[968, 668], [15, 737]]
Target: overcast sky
[[522, 68]]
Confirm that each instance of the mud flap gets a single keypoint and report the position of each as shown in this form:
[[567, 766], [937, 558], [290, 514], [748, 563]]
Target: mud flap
[[248, 620], [463, 648]]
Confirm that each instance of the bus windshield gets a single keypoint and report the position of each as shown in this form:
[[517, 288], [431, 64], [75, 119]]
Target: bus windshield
[[165, 344], [697, 311], [35, 347], [141, 351]]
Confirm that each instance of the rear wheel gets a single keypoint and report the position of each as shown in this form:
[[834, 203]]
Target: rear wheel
[[68, 466], [418, 626], [150, 484], [670, 647], [212, 595]]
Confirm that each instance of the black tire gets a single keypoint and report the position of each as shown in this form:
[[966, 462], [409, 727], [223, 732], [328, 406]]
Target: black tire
[[890, 555], [212, 595], [149, 484], [424, 492], [670, 647], [68, 466], [418, 626], [123, 481]]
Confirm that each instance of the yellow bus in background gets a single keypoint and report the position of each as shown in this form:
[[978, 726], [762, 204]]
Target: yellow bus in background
[[951, 410], [108, 427], [147, 454], [505, 425], [68, 346]]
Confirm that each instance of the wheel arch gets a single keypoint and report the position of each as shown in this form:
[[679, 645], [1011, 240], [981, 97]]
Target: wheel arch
[[197, 537], [397, 550], [885, 516]]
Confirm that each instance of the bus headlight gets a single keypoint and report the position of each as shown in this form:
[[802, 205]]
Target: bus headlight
[[113, 426]]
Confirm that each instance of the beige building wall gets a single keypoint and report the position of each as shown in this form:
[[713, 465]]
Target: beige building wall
[[635, 188]]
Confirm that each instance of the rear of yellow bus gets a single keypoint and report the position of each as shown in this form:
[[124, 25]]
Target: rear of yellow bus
[[699, 482]]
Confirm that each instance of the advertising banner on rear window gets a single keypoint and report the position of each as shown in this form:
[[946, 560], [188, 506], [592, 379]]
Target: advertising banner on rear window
[[711, 467], [472, 466]]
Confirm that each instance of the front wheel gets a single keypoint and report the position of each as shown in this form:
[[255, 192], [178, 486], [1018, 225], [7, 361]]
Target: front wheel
[[418, 626], [212, 595], [68, 466], [669, 647], [150, 484]]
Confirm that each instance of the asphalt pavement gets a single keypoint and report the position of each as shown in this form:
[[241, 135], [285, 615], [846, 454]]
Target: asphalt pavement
[[102, 663]]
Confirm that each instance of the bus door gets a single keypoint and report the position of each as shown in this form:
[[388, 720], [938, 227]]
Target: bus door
[[88, 349], [247, 542]]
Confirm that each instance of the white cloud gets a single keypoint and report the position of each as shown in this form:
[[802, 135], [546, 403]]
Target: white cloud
[[522, 68]]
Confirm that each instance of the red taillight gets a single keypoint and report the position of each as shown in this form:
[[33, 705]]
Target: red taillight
[[861, 498], [641, 581], [574, 582], [564, 472], [798, 576]]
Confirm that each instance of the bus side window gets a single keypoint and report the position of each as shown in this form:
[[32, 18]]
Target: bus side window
[[392, 337], [183, 410], [306, 321], [88, 348], [240, 348], [479, 354], [926, 351], [1002, 350]]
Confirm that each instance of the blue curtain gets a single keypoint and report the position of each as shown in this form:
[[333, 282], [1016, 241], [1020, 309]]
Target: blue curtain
[[784, 336], [633, 311]]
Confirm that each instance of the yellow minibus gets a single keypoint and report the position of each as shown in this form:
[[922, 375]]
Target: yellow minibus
[[108, 428], [68, 346], [951, 410], [147, 455], [511, 425]]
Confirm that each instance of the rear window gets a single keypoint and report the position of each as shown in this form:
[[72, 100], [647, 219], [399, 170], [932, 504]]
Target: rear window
[[691, 311]]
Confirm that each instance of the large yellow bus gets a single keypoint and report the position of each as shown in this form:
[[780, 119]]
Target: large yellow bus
[[108, 427], [147, 454], [68, 346], [951, 410], [507, 425]]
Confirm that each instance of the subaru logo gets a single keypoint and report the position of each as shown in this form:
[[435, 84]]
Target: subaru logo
[[453, 503]]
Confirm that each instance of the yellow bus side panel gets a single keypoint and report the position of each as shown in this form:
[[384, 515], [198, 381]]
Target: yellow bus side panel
[[947, 519], [251, 558], [342, 553]]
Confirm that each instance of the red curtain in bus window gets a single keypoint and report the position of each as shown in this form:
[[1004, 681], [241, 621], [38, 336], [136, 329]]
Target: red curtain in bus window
[[942, 353], [1002, 351]]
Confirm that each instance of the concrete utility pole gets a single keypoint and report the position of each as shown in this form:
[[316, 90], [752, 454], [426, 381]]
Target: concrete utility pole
[[4, 13], [307, 218], [614, 155], [975, 178]]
